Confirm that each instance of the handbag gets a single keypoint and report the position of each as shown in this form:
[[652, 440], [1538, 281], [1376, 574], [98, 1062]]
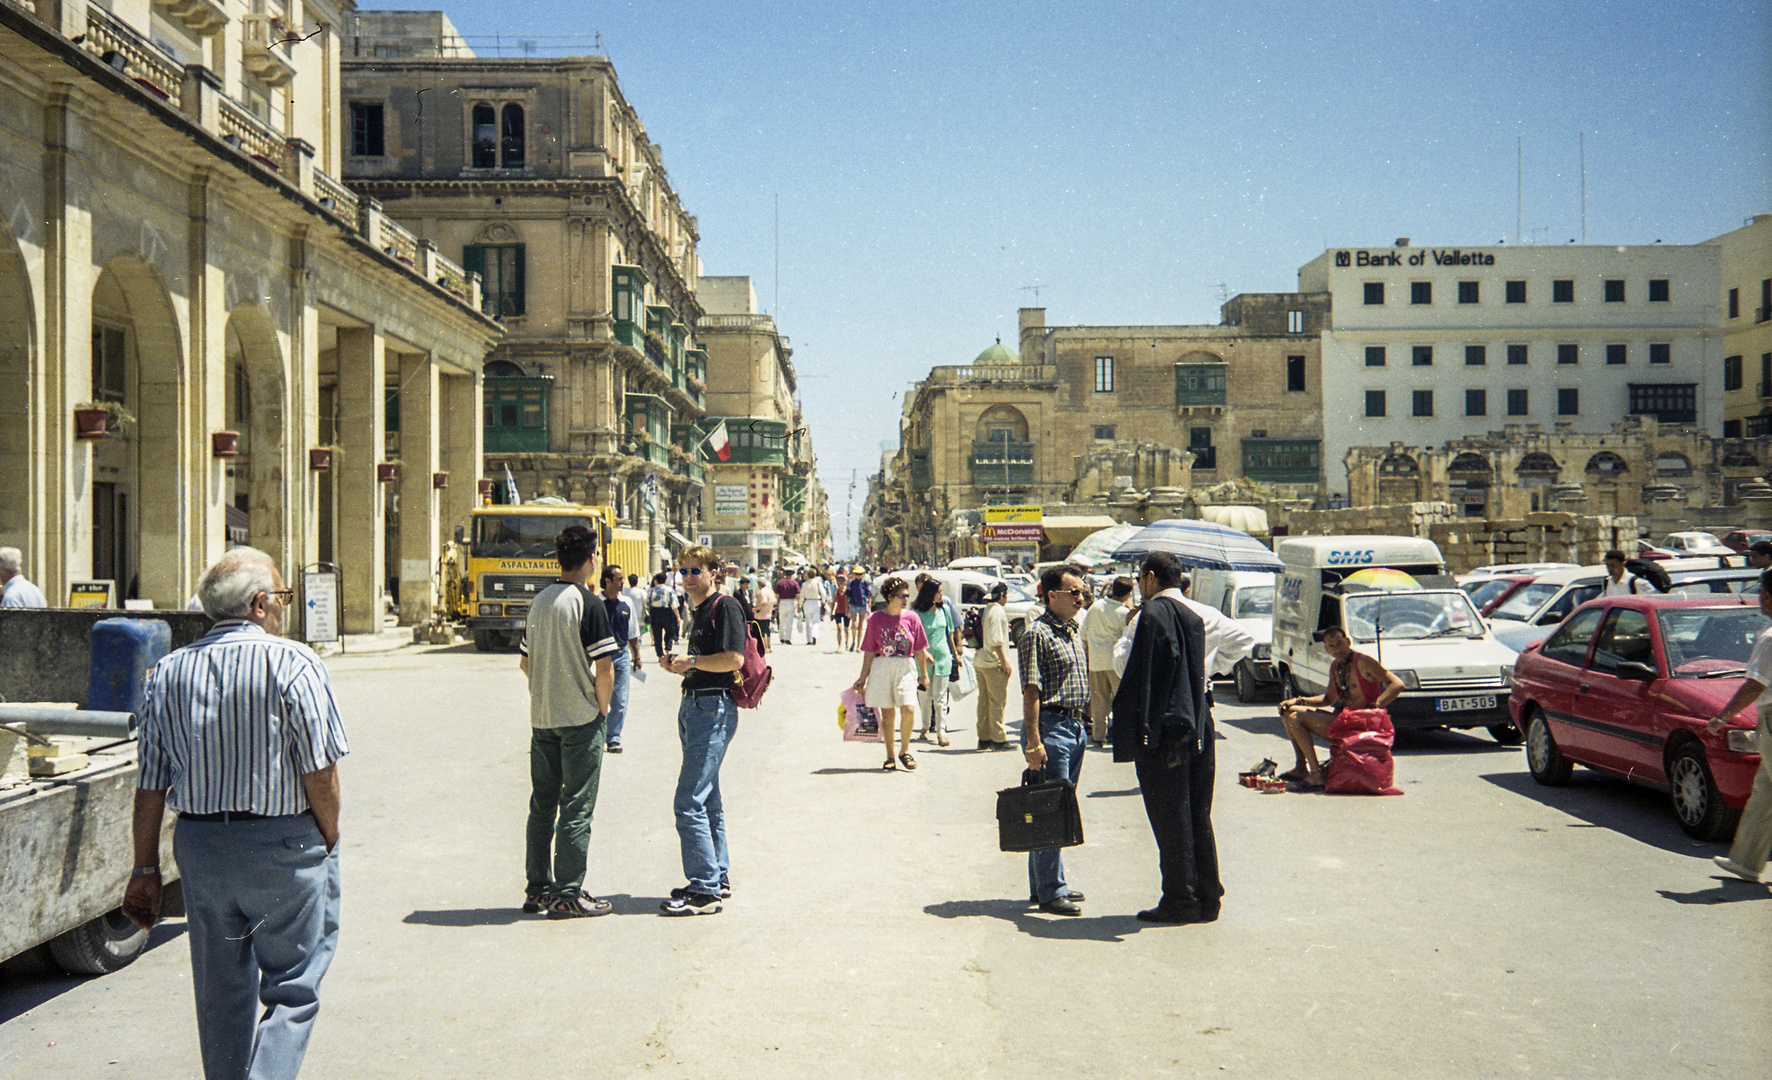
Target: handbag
[[1038, 815], [965, 678]]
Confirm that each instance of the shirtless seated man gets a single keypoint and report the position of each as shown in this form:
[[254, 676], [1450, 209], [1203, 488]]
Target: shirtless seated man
[[1370, 686]]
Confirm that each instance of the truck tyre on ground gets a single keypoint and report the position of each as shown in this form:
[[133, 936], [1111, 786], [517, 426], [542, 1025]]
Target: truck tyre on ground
[[482, 641], [1288, 685], [101, 946]]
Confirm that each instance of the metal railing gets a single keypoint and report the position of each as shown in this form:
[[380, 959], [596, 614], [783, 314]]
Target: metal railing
[[1010, 373], [116, 44], [246, 131], [344, 201]]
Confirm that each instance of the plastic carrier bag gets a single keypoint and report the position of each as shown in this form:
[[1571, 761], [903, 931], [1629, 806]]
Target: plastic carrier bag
[[859, 723], [1360, 760]]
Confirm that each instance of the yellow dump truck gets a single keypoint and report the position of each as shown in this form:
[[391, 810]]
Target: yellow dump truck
[[505, 555]]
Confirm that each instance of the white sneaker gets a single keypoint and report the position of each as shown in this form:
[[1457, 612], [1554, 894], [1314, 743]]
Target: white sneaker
[[1736, 868]]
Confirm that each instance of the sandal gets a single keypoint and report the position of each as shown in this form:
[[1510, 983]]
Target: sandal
[[909, 762], [944, 741], [1297, 773], [890, 766]]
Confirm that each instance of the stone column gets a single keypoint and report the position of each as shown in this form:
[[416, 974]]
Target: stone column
[[362, 434], [418, 499], [461, 431]]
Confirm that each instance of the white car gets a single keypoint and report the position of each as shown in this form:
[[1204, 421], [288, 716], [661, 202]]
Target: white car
[[1517, 568], [1695, 543]]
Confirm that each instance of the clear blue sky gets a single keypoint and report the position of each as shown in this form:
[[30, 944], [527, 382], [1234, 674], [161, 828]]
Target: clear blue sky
[[933, 159]]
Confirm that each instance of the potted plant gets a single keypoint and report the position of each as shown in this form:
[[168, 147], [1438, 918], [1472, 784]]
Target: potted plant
[[387, 472], [98, 419]]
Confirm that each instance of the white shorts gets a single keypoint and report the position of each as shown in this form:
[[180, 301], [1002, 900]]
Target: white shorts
[[892, 683]]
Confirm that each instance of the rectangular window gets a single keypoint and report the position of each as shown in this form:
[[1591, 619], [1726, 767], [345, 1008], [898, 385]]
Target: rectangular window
[[1375, 356], [1766, 374], [1476, 355], [1614, 290], [1735, 303], [1422, 356], [1516, 354], [1568, 401], [1375, 403], [1658, 290], [1374, 292], [1517, 402], [1670, 403], [1756, 426], [1468, 292], [1568, 354], [1104, 431], [1421, 292], [1199, 384], [1661, 352], [1476, 403], [1295, 322], [109, 345], [1731, 429], [1289, 461], [366, 129], [1199, 444], [1615, 354], [1104, 374], [1563, 291], [1516, 292], [1422, 403], [501, 276], [1295, 374], [1765, 312], [1731, 372]]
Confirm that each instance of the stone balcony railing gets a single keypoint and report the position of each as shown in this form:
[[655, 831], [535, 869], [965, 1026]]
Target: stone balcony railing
[[195, 93], [1006, 373], [736, 322]]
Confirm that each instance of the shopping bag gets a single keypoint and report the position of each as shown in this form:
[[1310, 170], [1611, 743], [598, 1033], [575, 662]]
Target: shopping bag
[[1360, 760], [968, 681], [859, 723], [1038, 815]]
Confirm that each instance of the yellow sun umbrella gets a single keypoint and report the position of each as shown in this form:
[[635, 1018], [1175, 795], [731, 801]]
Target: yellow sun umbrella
[[1379, 577]]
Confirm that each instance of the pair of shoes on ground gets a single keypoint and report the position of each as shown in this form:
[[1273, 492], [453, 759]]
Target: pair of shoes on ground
[[987, 744], [1063, 905], [909, 762], [1181, 913], [1731, 866], [582, 906]]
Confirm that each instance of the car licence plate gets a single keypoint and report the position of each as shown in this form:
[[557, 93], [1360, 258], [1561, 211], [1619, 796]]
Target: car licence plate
[[1464, 704]]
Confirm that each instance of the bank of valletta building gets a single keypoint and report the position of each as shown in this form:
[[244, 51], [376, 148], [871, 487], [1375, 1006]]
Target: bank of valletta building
[[1432, 344]]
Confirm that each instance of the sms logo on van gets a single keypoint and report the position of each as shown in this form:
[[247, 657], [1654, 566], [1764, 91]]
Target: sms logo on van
[[1349, 558]]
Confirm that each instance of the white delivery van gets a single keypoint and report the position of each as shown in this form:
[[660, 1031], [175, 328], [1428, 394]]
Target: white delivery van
[[1247, 597], [1455, 673]]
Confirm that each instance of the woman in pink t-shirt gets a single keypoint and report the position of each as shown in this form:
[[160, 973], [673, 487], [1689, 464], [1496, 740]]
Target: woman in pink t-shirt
[[895, 664]]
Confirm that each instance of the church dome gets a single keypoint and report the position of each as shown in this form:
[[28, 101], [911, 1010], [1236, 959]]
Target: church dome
[[996, 356]]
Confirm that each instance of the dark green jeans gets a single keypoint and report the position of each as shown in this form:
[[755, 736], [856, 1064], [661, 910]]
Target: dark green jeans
[[564, 767]]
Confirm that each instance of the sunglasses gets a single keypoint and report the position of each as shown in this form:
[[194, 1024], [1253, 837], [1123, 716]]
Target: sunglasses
[[693, 571], [1076, 593]]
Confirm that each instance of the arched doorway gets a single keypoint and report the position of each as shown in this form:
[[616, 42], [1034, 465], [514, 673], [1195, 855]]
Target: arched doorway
[[256, 495], [1468, 481], [17, 337], [1399, 480], [139, 500]]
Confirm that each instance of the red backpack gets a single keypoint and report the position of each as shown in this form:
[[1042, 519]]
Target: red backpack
[[753, 678]]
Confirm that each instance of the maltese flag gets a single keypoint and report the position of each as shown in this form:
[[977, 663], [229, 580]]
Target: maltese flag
[[717, 442]]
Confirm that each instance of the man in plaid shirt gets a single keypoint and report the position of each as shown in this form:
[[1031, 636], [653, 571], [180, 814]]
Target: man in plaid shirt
[[1055, 715]]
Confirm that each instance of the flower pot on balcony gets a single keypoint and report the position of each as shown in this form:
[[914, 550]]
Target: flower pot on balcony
[[387, 472], [439, 480], [90, 424], [485, 488], [319, 458], [224, 444]]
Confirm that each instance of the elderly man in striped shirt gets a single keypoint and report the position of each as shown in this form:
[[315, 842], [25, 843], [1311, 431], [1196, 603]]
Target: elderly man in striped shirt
[[241, 737]]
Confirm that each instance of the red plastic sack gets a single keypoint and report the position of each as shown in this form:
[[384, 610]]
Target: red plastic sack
[[860, 723], [1360, 754]]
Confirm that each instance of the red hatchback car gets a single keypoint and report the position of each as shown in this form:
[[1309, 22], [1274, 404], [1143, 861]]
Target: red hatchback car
[[1625, 685]]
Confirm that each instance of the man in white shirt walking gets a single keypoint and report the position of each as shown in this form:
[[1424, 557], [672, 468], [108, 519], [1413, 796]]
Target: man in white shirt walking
[[1107, 621]]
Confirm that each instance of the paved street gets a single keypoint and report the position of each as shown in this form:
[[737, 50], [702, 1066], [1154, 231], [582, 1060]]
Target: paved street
[[1479, 926]]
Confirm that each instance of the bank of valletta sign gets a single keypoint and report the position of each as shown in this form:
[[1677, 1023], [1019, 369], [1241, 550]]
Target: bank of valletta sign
[[1421, 257]]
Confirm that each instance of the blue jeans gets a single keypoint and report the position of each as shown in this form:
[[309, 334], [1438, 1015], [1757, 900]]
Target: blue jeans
[[618, 698], [261, 898], [1064, 741], [705, 725]]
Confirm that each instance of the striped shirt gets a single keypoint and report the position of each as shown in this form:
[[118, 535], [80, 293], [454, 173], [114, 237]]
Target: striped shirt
[[1051, 653], [233, 721]]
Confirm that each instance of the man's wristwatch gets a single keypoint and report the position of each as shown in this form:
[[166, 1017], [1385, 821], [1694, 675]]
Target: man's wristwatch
[[145, 871]]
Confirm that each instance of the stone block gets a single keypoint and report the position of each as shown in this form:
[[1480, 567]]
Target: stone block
[[1554, 519]]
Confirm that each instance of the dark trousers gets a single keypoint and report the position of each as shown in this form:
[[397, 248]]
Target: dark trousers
[[1178, 801], [664, 629]]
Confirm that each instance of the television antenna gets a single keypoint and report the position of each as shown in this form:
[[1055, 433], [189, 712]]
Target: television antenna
[[1035, 289]]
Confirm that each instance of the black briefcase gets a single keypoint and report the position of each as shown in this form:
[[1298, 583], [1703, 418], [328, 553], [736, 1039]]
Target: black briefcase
[[1038, 815]]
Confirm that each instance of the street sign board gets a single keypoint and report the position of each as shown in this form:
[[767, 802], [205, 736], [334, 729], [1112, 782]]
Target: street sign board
[[1021, 523], [91, 594], [319, 593]]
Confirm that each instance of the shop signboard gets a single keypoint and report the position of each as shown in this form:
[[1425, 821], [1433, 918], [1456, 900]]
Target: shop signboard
[[1013, 523]]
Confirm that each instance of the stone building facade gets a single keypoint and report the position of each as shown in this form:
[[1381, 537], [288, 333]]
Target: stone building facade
[[1747, 327], [539, 175], [175, 248], [764, 505]]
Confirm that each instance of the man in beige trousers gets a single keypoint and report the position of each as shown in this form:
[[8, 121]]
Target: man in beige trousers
[[992, 668], [1107, 621]]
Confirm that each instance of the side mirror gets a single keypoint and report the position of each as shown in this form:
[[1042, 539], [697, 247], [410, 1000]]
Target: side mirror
[[1633, 669]]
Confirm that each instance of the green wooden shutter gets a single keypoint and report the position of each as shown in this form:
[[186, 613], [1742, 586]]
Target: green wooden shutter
[[517, 280], [470, 259]]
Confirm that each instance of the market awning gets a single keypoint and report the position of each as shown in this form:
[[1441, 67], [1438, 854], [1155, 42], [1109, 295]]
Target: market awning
[[677, 538], [1074, 529]]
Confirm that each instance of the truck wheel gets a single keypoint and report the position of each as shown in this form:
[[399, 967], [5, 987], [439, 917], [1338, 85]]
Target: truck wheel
[[1288, 685], [1246, 685], [1506, 734], [510, 639], [482, 641], [103, 945]]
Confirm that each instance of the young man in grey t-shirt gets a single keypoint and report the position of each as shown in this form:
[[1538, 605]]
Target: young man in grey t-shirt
[[568, 657]]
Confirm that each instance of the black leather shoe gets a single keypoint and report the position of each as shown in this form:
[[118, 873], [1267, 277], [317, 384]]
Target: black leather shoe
[[1180, 913], [1075, 896], [1060, 906]]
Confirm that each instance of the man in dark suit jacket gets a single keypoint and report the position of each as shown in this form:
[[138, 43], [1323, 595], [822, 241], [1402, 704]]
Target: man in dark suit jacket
[[1162, 724]]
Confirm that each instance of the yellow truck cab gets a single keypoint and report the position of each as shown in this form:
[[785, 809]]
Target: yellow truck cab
[[504, 556]]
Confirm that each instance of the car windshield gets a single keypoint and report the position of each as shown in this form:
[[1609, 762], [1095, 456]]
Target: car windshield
[[1704, 542], [1522, 604], [1709, 642], [520, 536], [1256, 603], [1411, 615], [1485, 591]]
